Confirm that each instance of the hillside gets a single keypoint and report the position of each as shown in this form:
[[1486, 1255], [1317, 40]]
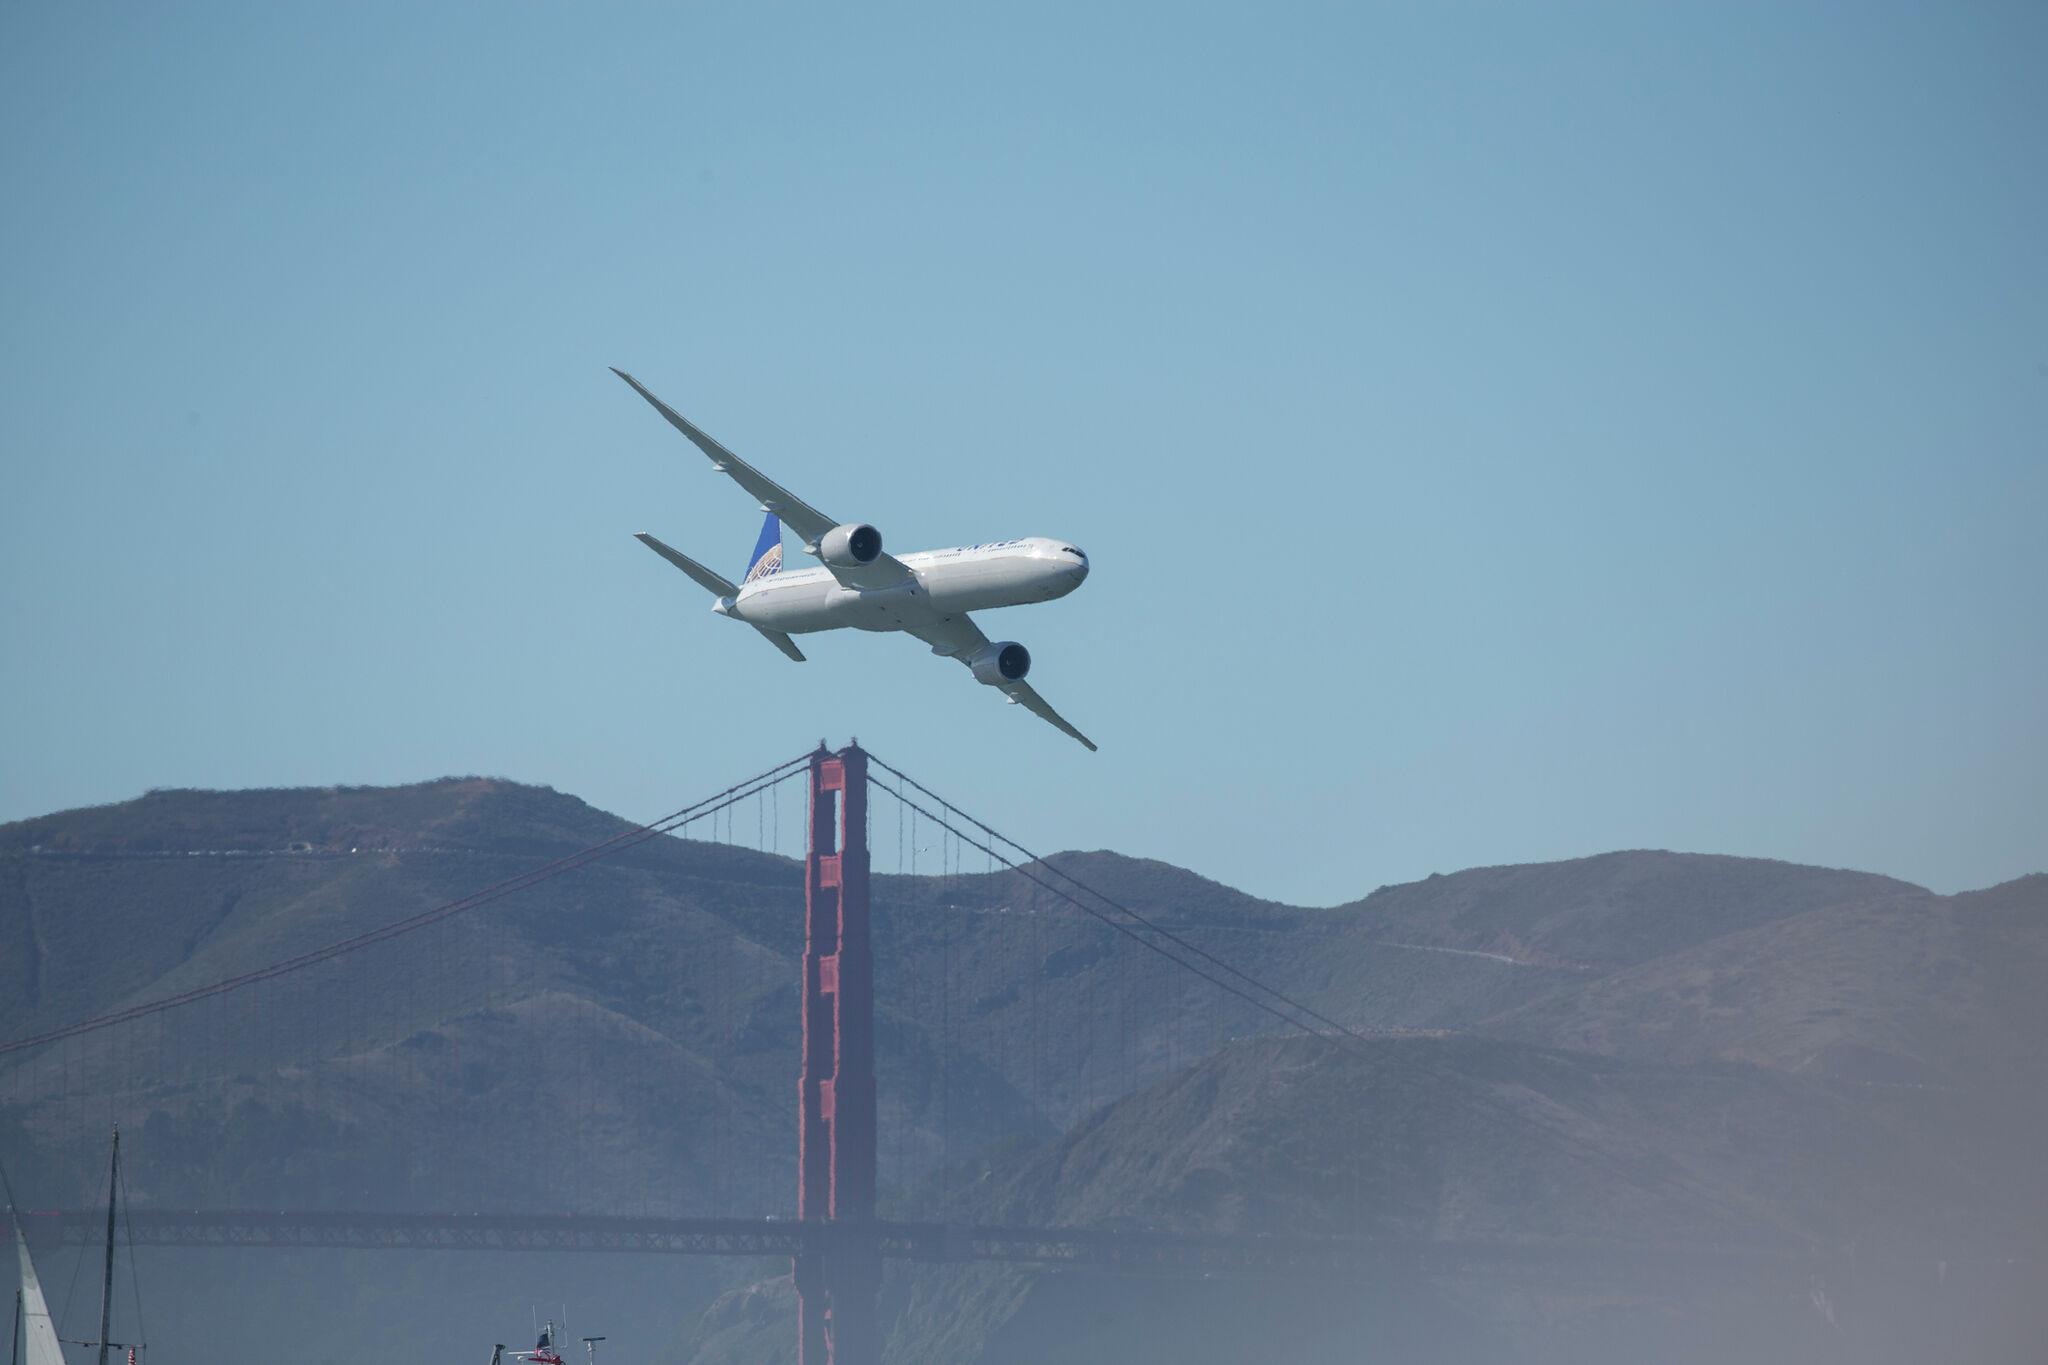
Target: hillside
[[1902, 989], [1463, 1138], [1608, 911], [1632, 1045], [1004, 1010], [1466, 1138]]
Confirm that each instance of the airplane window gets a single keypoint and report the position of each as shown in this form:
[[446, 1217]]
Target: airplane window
[[1072, 551]]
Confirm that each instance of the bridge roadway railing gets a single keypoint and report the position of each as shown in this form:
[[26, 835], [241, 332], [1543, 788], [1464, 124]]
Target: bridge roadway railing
[[1107, 1249]]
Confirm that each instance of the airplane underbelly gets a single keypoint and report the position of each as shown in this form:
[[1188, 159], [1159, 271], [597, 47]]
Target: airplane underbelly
[[800, 609], [900, 608], [794, 609]]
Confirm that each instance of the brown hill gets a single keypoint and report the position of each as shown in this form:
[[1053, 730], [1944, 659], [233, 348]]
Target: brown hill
[[1912, 990], [1611, 910], [475, 813], [1750, 1049]]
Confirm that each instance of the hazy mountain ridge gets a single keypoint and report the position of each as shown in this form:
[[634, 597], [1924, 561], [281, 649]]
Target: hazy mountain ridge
[[1609, 910], [696, 942], [1854, 1075], [624, 1039], [1942, 997], [478, 813]]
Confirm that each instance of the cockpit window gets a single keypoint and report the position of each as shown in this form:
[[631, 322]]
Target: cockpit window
[[1072, 551]]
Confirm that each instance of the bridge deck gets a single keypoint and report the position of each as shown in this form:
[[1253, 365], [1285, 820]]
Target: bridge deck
[[1130, 1250]]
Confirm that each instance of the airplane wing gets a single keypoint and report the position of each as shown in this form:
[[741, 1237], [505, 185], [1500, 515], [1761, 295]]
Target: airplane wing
[[1025, 695], [799, 516], [958, 637]]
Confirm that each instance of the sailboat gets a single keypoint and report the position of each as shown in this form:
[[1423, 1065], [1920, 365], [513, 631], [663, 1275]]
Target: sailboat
[[31, 1311], [34, 1329]]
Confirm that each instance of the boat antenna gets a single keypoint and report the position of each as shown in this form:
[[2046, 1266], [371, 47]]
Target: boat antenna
[[107, 1285], [134, 1279], [590, 1345]]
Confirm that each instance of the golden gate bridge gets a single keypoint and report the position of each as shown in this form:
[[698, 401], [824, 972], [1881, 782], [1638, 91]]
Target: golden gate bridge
[[836, 1239]]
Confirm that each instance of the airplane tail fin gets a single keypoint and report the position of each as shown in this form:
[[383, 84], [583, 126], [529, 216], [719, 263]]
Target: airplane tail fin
[[767, 556]]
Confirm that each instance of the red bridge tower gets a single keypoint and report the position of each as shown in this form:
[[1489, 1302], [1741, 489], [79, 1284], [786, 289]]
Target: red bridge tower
[[836, 1284]]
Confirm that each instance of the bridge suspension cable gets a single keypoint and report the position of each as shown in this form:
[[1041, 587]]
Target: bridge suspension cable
[[1479, 1104], [1277, 1002], [569, 862]]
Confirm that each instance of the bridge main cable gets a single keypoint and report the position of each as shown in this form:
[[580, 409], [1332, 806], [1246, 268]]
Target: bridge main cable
[[568, 862], [1024, 870]]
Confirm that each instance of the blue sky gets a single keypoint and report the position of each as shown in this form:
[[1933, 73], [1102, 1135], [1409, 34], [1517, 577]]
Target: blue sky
[[1501, 433]]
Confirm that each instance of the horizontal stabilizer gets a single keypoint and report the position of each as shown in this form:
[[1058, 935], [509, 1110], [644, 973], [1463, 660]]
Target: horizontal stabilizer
[[712, 583], [783, 643]]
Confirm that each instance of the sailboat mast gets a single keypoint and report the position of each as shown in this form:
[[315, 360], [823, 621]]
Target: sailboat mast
[[107, 1285], [14, 1342]]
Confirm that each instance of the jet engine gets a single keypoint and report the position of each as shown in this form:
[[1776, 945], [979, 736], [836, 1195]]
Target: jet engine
[[1005, 661], [849, 547]]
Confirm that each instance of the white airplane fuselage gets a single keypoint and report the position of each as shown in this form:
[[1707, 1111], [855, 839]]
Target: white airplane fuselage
[[944, 583]]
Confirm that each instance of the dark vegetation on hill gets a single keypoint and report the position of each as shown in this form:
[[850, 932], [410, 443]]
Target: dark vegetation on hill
[[1643, 1046]]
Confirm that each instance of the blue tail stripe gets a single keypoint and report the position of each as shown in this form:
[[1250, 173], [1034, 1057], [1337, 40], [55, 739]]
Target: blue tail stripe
[[767, 556]]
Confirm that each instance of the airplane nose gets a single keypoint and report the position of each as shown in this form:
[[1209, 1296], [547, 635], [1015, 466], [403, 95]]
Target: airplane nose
[[1065, 566]]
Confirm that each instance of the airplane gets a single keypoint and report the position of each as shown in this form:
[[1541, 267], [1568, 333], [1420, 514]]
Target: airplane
[[926, 594]]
